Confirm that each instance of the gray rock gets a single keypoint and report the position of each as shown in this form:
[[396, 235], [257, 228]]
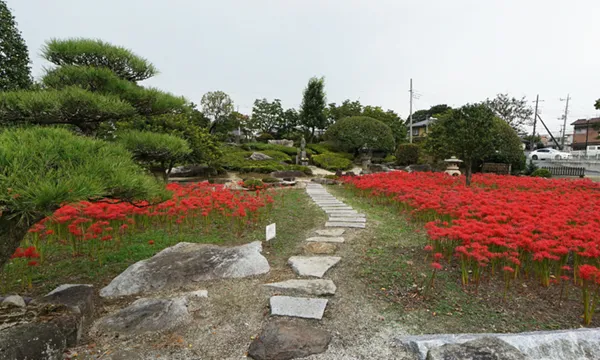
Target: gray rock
[[288, 174], [316, 287], [308, 308], [186, 264], [258, 156], [325, 181], [331, 232], [345, 224], [325, 239], [33, 341], [79, 299], [146, 316], [375, 168], [485, 348], [315, 266], [283, 142], [348, 219], [14, 300], [284, 340]]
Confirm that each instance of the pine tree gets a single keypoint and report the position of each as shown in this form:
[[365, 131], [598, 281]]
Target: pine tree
[[15, 71]]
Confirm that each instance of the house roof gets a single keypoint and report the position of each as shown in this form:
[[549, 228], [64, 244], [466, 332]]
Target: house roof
[[424, 122], [584, 121]]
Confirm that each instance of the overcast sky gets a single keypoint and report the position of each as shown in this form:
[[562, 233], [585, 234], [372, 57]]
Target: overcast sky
[[456, 51]]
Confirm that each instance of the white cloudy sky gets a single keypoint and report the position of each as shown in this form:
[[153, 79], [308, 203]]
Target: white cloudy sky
[[457, 51]]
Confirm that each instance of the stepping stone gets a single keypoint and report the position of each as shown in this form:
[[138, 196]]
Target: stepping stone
[[329, 202], [316, 287], [345, 224], [346, 213], [315, 266], [347, 219], [340, 208], [325, 239], [331, 232], [320, 248], [307, 308]]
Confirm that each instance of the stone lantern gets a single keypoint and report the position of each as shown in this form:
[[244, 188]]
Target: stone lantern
[[452, 166]]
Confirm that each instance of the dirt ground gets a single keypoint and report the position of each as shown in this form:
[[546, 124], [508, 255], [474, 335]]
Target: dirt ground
[[236, 310]]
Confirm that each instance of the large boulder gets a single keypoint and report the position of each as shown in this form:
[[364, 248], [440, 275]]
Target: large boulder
[[282, 142], [485, 348], [375, 168], [258, 156], [283, 340], [186, 264], [33, 341], [287, 174], [146, 316]]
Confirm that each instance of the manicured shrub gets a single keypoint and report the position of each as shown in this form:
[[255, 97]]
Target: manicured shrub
[[545, 173], [270, 180], [236, 159], [278, 155], [353, 133], [332, 162], [407, 154], [264, 137], [389, 159], [253, 184], [291, 151]]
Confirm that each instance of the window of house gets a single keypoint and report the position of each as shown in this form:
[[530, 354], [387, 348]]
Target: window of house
[[580, 130], [416, 132]]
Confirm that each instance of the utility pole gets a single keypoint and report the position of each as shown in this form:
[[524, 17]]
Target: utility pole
[[410, 112], [562, 141], [537, 100]]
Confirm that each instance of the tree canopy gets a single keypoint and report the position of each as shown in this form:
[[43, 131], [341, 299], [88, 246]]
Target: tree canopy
[[312, 109], [217, 106], [15, 72], [42, 168], [354, 133], [266, 116], [516, 112], [434, 111]]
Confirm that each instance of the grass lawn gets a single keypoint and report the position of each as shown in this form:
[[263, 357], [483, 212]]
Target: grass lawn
[[395, 267], [62, 268]]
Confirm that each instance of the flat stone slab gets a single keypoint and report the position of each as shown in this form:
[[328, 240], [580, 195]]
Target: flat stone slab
[[308, 308], [331, 232], [284, 339], [345, 224], [316, 287], [347, 219], [315, 266], [325, 239], [543, 345], [340, 208], [187, 264], [344, 213]]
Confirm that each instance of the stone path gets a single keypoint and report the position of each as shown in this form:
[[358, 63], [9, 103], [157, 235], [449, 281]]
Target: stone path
[[310, 304]]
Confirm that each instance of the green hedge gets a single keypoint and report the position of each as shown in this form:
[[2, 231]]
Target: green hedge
[[407, 154], [332, 162], [545, 173], [291, 151], [235, 160]]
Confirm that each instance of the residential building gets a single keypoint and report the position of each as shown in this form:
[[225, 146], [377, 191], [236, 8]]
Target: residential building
[[584, 133], [421, 128]]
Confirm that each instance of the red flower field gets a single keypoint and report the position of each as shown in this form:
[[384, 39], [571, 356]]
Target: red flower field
[[505, 225]]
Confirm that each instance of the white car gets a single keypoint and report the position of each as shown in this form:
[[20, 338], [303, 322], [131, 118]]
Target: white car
[[549, 154]]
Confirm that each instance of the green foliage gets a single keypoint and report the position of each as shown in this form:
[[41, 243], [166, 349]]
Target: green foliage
[[312, 109], [507, 146], [408, 154], [157, 152], [545, 173], [270, 180], [236, 159], [71, 105], [597, 104], [469, 133], [264, 137], [42, 168], [332, 177], [332, 162], [390, 159], [147, 101], [15, 72], [205, 148], [291, 151], [278, 155], [346, 109], [217, 106], [97, 53], [266, 116], [253, 184], [434, 111], [353, 133], [531, 168], [515, 112]]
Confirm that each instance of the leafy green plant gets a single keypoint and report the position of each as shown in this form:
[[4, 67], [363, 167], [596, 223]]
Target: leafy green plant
[[332, 162], [253, 184], [42, 168], [531, 167], [390, 159], [407, 154], [291, 151], [354, 133], [14, 61], [270, 180], [236, 159], [264, 137], [545, 173], [157, 152]]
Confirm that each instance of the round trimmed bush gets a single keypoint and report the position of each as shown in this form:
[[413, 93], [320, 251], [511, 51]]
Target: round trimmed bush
[[407, 154], [353, 133], [253, 184], [332, 162], [545, 173]]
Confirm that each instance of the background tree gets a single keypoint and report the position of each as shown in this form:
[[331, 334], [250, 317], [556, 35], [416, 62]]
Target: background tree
[[390, 118], [287, 128], [15, 72], [312, 109], [42, 168], [507, 145], [357, 132], [468, 133], [516, 112], [434, 111], [348, 108], [266, 116], [217, 106]]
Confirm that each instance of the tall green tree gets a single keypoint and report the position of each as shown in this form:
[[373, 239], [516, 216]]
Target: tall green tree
[[217, 106], [468, 133], [266, 116], [15, 72], [516, 112], [348, 108], [312, 109]]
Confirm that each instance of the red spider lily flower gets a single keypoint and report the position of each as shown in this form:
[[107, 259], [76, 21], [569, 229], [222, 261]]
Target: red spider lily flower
[[151, 242], [428, 248], [436, 266], [19, 253], [438, 256], [508, 269], [588, 272], [566, 268], [49, 232], [32, 263]]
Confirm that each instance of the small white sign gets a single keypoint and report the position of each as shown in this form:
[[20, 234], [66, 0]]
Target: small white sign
[[271, 231]]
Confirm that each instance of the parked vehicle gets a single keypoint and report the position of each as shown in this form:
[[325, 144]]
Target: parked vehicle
[[549, 154]]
